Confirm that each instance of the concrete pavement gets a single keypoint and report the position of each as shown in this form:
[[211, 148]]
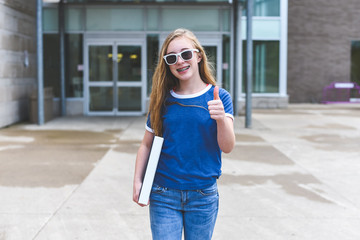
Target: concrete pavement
[[294, 175]]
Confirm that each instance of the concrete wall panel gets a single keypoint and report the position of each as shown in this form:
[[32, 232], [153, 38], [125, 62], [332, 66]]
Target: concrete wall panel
[[17, 42]]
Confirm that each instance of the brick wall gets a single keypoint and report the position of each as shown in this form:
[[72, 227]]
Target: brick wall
[[319, 45], [17, 39]]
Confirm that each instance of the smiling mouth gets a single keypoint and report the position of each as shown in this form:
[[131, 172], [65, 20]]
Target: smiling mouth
[[183, 69]]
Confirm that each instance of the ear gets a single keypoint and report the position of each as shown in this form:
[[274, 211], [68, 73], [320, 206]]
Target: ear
[[199, 57]]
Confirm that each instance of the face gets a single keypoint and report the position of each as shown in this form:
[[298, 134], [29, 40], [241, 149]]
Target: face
[[184, 70]]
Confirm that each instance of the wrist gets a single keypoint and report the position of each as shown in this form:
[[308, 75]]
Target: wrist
[[221, 121], [137, 180]]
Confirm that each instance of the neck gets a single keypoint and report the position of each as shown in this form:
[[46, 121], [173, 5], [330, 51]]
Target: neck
[[190, 87]]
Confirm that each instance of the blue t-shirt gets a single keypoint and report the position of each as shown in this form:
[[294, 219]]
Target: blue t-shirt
[[191, 157]]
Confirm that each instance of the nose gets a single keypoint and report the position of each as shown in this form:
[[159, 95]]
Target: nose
[[180, 60]]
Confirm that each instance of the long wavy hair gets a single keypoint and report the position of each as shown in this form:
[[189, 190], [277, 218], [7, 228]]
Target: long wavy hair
[[163, 80]]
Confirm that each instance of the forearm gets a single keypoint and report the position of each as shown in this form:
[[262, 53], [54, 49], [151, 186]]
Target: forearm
[[140, 165], [141, 160], [225, 134]]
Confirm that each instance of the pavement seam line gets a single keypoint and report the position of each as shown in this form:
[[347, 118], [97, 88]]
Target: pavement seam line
[[67, 199], [56, 211]]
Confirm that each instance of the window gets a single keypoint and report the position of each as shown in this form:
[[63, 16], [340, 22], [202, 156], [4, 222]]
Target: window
[[52, 62], [152, 19], [73, 68], [193, 19], [152, 58], [136, 1], [355, 62], [114, 19], [226, 63], [50, 19], [265, 66], [265, 8], [74, 65], [74, 18]]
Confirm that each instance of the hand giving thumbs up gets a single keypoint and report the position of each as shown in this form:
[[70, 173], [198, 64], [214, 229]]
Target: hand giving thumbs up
[[216, 107]]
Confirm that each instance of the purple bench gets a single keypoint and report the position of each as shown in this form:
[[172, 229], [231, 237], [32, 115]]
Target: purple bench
[[341, 92]]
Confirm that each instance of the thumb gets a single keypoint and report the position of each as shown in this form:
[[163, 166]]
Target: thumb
[[216, 93]]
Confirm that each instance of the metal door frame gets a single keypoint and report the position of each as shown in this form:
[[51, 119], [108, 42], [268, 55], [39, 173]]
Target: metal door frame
[[114, 41]]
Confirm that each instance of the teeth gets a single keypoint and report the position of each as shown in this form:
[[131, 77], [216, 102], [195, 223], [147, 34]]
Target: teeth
[[183, 69]]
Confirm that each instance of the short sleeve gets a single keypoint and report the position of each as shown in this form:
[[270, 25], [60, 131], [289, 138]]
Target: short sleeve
[[227, 102], [148, 124]]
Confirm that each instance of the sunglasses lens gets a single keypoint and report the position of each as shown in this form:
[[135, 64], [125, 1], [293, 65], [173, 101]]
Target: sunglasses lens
[[171, 59], [187, 55]]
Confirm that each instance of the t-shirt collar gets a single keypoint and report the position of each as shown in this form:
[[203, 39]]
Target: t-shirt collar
[[184, 96]]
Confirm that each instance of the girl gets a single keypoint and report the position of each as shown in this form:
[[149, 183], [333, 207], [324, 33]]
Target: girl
[[195, 118]]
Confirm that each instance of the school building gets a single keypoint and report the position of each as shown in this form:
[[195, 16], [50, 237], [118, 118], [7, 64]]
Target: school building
[[109, 48]]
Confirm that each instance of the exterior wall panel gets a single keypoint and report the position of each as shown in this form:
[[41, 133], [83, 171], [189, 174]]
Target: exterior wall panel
[[319, 45], [17, 42]]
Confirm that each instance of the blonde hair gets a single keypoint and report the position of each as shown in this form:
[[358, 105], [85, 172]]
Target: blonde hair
[[163, 80]]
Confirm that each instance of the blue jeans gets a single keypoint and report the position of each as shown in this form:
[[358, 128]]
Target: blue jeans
[[195, 211]]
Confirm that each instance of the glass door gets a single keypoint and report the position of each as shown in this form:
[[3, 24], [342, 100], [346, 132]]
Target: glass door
[[211, 53], [128, 78], [100, 82], [213, 49], [114, 78]]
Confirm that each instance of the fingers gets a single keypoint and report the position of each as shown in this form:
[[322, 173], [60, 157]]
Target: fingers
[[136, 193], [136, 200], [216, 109], [135, 196], [142, 205], [215, 105], [217, 114]]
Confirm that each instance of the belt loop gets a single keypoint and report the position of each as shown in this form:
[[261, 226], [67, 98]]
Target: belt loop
[[184, 194]]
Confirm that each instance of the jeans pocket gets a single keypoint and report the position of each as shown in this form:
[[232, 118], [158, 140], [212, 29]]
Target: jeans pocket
[[212, 190]]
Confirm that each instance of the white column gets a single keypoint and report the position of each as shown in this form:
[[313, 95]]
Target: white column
[[283, 47]]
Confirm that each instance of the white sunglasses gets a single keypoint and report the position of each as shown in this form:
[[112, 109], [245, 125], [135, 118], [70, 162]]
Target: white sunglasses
[[185, 55]]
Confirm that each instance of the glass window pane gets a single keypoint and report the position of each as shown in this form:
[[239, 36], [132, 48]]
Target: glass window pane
[[137, 1], [50, 19], [129, 63], [100, 63], [226, 20], [197, 1], [101, 99], [74, 19], [226, 63], [152, 19], [355, 62], [74, 65], [109, 19], [152, 58], [129, 99], [52, 63], [263, 28], [211, 52], [265, 66], [194, 19], [265, 8]]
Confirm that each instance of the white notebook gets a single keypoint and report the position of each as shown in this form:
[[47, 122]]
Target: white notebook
[[150, 170]]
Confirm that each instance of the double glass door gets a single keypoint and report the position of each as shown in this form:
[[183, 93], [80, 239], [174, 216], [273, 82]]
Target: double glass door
[[115, 77]]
